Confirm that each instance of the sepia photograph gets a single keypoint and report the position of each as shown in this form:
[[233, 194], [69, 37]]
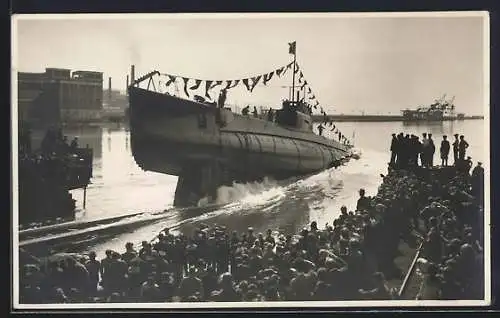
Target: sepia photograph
[[250, 160]]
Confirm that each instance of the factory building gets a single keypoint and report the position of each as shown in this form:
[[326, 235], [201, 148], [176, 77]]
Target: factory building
[[57, 95]]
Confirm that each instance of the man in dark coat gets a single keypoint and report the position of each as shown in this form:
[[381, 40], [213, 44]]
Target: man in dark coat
[[444, 151], [455, 150], [394, 145], [462, 147], [432, 150]]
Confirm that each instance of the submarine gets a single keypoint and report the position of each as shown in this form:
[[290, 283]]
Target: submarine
[[207, 145]]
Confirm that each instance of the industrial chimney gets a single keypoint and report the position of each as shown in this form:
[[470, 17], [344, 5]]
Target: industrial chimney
[[132, 75], [109, 88], [126, 87]]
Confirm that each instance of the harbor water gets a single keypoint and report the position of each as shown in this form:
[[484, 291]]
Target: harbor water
[[120, 187]]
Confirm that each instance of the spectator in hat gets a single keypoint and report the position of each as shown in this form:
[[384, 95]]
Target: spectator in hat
[[462, 147], [477, 180], [455, 149], [432, 150], [105, 268], [130, 252], [93, 266], [444, 151], [363, 202], [468, 164], [394, 149]]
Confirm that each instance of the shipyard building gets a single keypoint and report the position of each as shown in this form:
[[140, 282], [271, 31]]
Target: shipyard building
[[59, 95]]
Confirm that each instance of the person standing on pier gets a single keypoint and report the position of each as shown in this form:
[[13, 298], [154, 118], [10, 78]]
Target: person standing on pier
[[468, 164], [432, 150], [394, 145], [477, 182], [462, 147], [255, 112], [444, 151], [93, 266], [455, 150], [424, 151], [363, 202]]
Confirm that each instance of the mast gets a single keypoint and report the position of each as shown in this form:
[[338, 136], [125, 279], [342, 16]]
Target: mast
[[293, 76], [293, 50]]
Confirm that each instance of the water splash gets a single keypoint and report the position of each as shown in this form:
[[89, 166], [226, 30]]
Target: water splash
[[251, 192]]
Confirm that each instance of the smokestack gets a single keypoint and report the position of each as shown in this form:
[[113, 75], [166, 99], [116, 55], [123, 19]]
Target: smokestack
[[132, 75], [109, 88], [126, 87]]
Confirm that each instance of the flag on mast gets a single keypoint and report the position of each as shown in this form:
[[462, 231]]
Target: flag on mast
[[292, 47]]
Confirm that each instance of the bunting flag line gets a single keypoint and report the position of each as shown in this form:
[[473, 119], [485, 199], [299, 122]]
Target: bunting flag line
[[186, 80]]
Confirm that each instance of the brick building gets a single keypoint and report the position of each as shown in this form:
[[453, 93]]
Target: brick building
[[57, 95]]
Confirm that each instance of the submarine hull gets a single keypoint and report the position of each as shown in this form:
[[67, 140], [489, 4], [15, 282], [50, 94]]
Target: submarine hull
[[204, 144]]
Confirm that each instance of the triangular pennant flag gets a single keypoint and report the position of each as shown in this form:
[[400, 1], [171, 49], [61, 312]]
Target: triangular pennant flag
[[171, 79], [304, 85], [207, 88], [196, 85], [317, 103], [315, 107], [280, 71], [301, 77], [255, 81], [186, 80], [245, 81], [267, 77], [309, 90]]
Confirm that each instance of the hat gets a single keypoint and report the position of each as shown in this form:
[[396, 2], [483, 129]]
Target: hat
[[479, 163], [456, 135]]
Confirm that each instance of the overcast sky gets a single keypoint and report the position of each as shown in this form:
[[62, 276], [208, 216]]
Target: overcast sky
[[375, 64]]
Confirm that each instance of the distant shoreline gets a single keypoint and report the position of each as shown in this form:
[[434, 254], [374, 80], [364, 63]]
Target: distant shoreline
[[379, 118]]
